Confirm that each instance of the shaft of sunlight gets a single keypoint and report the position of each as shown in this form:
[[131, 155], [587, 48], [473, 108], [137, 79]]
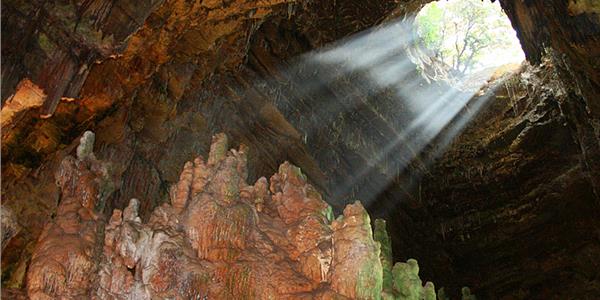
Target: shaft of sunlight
[[342, 80]]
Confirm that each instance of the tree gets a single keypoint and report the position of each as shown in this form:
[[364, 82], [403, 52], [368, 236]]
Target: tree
[[430, 28], [460, 32]]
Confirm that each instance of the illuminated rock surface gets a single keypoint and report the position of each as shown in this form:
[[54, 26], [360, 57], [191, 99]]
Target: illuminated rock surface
[[217, 238], [510, 209], [67, 252]]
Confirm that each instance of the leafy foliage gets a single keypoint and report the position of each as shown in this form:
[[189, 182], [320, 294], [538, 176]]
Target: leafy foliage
[[463, 33]]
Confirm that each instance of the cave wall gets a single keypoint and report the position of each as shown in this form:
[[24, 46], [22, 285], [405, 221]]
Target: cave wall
[[571, 29], [569, 32], [513, 192], [519, 189], [514, 200], [156, 79]]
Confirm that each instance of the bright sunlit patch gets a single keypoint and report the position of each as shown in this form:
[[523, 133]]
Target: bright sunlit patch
[[468, 35], [346, 78]]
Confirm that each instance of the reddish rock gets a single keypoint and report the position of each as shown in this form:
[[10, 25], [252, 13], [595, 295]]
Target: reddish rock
[[66, 255], [356, 271], [218, 238]]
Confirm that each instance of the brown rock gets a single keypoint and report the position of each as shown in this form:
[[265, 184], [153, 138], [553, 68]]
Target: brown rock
[[356, 268], [10, 227], [65, 258], [210, 241]]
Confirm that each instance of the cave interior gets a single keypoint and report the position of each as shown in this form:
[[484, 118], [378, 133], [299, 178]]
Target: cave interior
[[294, 149]]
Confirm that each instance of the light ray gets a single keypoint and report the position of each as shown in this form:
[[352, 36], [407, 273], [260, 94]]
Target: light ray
[[345, 79]]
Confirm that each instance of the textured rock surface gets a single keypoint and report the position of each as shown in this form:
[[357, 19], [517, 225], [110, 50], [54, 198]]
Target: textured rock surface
[[67, 252], [568, 32], [10, 225], [572, 32], [218, 238], [161, 78], [352, 236], [512, 189], [156, 79]]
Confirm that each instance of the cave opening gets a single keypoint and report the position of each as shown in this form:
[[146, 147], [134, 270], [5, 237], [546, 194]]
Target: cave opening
[[399, 93], [466, 37]]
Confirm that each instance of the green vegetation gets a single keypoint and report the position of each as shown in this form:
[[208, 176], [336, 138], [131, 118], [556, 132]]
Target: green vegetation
[[381, 236], [467, 35]]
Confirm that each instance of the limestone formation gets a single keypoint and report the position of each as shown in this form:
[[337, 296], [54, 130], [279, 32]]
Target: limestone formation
[[86, 145], [217, 238], [10, 227], [66, 255], [407, 284], [357, 271]]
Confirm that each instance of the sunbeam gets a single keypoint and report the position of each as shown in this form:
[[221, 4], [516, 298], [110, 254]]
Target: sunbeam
[[342, 81]]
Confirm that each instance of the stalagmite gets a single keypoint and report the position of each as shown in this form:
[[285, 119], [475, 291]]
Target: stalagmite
[[211, 241]]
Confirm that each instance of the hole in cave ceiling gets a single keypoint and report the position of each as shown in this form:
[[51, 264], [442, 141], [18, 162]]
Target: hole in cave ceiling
[[467, 36]]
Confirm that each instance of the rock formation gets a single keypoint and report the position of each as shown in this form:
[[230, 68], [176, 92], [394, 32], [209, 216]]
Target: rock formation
[[10, 226], [511, 209], [67, 251], [216, 238]]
